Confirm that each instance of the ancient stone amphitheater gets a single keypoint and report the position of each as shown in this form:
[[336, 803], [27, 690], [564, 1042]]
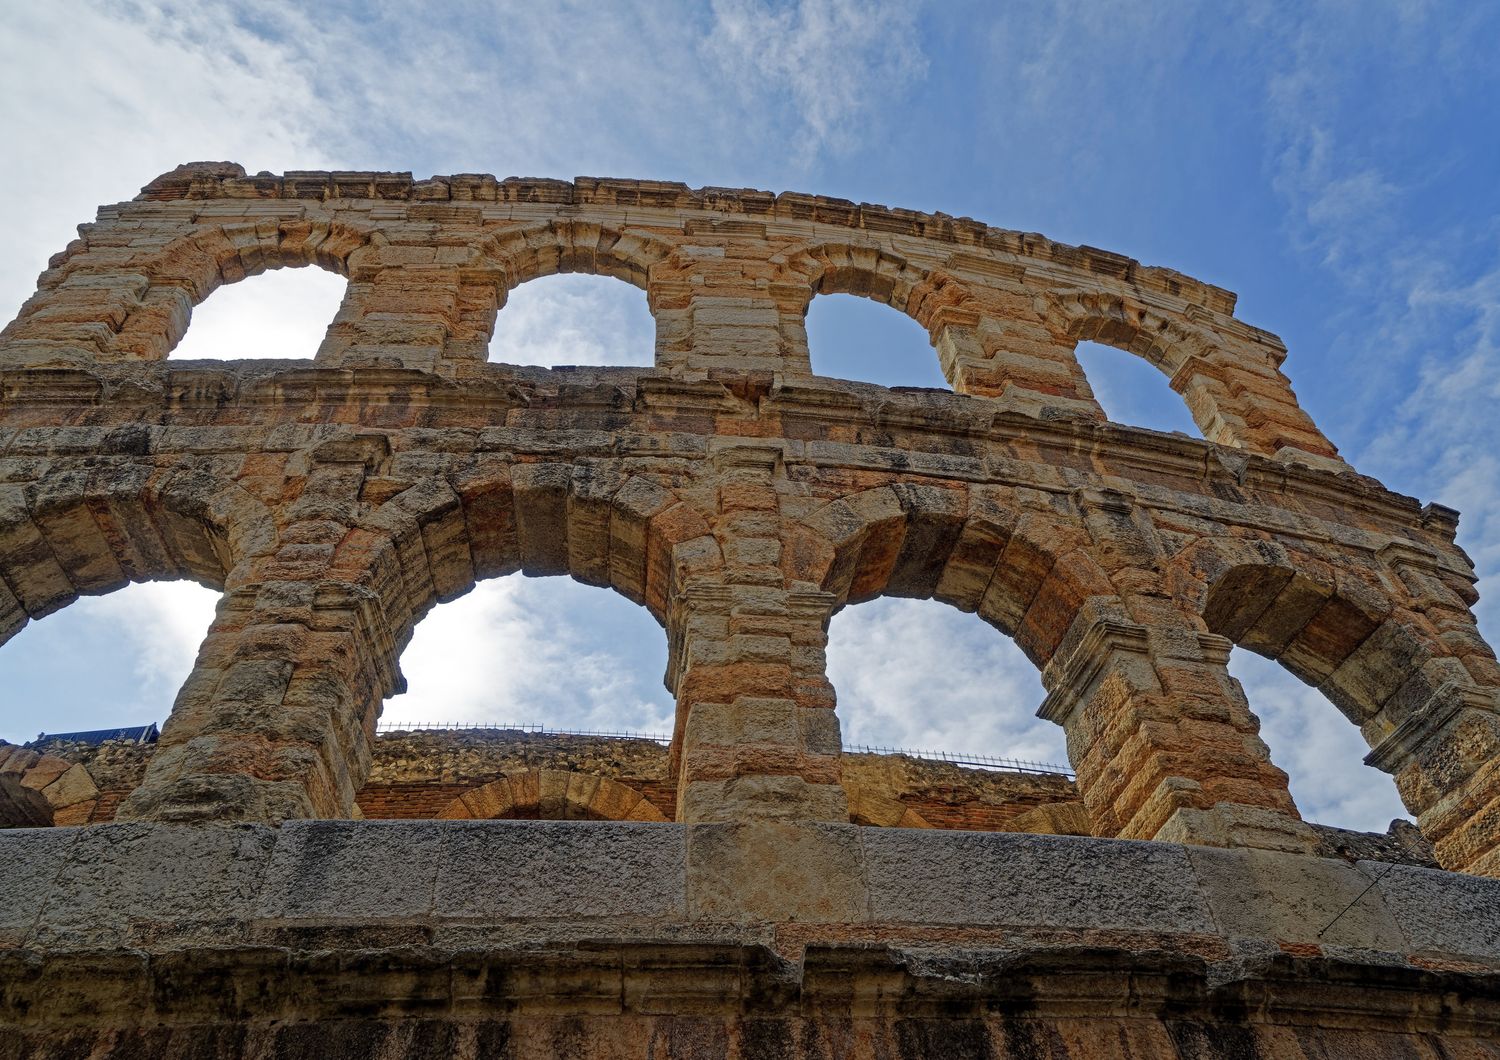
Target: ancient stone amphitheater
[[749, 891]]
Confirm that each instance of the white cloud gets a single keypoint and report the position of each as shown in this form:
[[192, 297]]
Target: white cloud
[[519, 650], [282, 313], [1320, 749], [922, 675], [104, 660], [139, 97], [574, 319]]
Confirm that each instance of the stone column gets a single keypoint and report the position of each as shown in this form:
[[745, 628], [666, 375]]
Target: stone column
[[1018, 362], [757, 736], [1163, 740], [401, 314], [275, 721], [717, 311]]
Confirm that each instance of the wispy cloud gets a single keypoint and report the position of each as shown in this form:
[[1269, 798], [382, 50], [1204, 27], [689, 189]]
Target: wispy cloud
[[516, 650], [1423, 290], [831, 61], [920, 674], [574, 319]]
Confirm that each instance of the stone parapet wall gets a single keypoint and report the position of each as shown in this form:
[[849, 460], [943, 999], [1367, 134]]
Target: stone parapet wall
[[532, 939]]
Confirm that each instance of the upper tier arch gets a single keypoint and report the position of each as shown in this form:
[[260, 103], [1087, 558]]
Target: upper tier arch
[[728, 275]]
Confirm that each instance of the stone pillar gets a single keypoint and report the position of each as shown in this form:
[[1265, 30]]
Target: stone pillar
[[275, 721], [716, 311], [1018, 362], [403, 315], [757, 736], [1163, 741]]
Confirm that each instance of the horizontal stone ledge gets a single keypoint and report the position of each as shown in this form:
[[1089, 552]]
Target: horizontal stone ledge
[[497, 884], [611, 984]]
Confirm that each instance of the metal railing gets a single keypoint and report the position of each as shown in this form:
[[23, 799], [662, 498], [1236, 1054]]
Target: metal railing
[[1008, 765], [505, 726], [972, 761]]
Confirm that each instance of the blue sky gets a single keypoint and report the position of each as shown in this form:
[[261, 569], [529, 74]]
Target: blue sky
[[1336, 164]]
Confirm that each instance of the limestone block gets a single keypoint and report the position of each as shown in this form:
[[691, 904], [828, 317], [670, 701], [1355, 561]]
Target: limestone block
[[521, 869], [1007, 879], [769, 871]]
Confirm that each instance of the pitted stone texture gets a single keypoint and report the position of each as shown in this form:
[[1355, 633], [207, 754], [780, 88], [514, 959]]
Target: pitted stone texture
[[525, 870], [1296, 899], [1441, 913], [31, 859], [122, 884], [1002, 879], [774, 871], [351, 871]]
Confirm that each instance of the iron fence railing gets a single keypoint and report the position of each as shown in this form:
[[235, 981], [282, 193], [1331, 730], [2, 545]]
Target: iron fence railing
[[1009, 765], [972, 761], [547, 730]]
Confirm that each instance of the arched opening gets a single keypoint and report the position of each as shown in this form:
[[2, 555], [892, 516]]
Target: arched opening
[[282, 313], [851, 336], [536, 651], [574, 319], [1319, 659], [1132, 391], [1321, 753], [919, 674], [103, 663], [553, 795], [957, 699]]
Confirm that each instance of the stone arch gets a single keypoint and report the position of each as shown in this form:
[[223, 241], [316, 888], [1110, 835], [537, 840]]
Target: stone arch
[[144, 308], [588, 519], [881, 811], [88, 528], [1430, 721], [507, 258], [933, 299], [529, 252], [980, 549], [552, 795], [1342, 634], [872, 272], [1233, 386], [1126, 324]]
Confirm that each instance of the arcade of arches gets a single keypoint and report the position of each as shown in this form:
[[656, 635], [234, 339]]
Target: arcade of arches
[[739, 498]]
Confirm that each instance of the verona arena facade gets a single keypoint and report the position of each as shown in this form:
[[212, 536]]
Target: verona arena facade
[[743, 501]]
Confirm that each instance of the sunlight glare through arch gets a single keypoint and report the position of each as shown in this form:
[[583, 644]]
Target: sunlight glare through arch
[[520, 650], [279, 313]]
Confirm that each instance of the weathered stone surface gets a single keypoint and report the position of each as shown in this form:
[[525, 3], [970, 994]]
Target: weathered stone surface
[[505, 870], [1441, 913], [742, 501], [1003, 879], [121, 884]]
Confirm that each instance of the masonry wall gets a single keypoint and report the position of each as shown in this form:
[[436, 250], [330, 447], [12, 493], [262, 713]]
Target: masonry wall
[[742, 501]]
